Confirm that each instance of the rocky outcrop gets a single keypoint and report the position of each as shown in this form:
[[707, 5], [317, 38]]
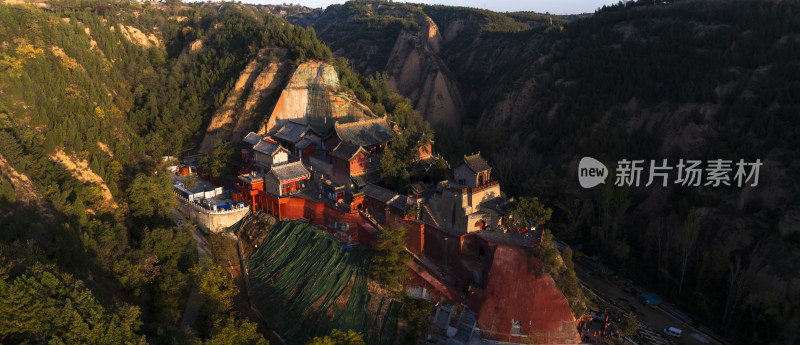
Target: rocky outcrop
[[248, 101], [24, 189], [448, 70], [313, 96], [420, 75], [79, 168], [138, 37]]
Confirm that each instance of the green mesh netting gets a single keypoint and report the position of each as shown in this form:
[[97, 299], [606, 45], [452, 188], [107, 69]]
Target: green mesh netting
[[306, 284]]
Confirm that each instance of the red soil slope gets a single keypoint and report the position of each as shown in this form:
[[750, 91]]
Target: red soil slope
[[519, 289]]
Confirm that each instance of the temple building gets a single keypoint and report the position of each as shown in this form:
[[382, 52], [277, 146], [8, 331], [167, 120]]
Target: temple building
[[317, 157], [373, 134], [473, 172], [470, 203], [287, 179], [352, 161], [463, 253], [268, 153], [291, 134]]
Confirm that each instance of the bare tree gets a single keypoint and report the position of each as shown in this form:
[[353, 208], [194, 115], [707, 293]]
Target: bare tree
[[576, 211], [687, 240], [741, 281], [659, 239]]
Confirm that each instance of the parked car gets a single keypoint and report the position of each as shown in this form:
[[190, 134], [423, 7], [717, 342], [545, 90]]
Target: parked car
[[672, 331]]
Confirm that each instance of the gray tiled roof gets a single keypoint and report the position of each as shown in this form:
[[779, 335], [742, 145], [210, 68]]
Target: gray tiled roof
[[497, 204], [379, 193], [289, 171], [429, 218], [303, 143], [267, 148], [365, 179], [252, 138], [365, 133], [417, 187], [424, 165], [477, 163], [401, 202], [291, 132], [526, 239], [345, 150]]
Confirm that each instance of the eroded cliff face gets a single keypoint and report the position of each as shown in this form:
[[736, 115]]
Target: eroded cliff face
[[248, 101], [422, 76], [314, 96], [446, 64], [410, 57]]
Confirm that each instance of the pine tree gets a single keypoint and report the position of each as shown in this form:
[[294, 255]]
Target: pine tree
[[388, 265]]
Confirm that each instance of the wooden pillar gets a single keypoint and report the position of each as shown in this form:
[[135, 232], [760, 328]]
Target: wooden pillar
[[421, 239], [278, 209]]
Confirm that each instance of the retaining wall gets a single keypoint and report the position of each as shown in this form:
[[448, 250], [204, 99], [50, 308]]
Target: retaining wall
[[210, 221]]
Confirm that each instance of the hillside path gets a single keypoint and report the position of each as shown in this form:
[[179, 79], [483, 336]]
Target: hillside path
[[193, 304]]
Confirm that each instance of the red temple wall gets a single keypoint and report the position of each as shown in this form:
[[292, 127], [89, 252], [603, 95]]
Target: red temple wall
[[326, 215], [445, 252], [415, 241], [311, 150], [425, 151], [331, 143], [359, 164]]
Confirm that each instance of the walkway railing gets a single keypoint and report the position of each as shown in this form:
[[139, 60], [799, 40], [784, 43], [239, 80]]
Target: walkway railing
[[201, 208]]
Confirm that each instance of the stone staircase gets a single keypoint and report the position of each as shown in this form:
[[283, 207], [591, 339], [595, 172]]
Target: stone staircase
[[465, 327]]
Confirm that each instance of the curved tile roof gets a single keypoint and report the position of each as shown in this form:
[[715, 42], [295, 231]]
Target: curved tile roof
[[345, 151], [477, 163], [289, 171], [252, 138], [291, 132], [268, 147], [365, 133]]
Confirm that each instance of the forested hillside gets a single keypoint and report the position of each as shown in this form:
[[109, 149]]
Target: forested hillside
[[685, 80], [92, 95]]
